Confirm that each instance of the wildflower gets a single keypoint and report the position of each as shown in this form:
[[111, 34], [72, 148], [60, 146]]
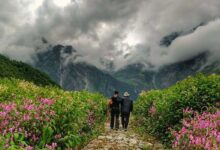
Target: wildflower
[[54, 145], [29, 107], [26, 117], [29, 148], [152, 111], [57, 136], [3, 114], [218, 137], [202, 131], [48, 101]]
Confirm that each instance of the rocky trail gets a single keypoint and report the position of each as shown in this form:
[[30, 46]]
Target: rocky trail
[[122, 140]]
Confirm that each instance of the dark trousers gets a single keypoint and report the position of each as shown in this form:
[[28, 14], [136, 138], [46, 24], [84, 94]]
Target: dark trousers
[[114, 119], [125, 120]]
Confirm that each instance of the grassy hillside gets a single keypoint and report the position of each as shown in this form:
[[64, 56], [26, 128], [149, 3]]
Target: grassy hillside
[[34, 117], [19, 70], [158, 111]]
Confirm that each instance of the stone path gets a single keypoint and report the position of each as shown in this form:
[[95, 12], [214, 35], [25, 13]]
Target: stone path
[[121, 140]]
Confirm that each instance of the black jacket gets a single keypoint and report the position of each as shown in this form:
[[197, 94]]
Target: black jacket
[[116, 101], [126, 105]]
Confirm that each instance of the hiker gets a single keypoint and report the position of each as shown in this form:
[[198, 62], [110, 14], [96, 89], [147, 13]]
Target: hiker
[[126, 109], [114, 105]]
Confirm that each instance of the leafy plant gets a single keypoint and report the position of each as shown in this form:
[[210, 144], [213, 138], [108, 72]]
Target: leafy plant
[[197, 92], [33, 117], [200, 132]]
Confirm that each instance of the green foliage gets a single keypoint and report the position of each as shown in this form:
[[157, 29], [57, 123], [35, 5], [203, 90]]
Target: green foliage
[[19, 70], [47, 136], [78, 115], [197, 93]]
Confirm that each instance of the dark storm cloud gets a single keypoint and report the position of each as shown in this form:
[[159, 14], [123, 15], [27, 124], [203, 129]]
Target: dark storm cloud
[[122, 31]]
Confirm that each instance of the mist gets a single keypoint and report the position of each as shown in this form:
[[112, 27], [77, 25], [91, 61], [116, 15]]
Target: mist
[[112, 31]]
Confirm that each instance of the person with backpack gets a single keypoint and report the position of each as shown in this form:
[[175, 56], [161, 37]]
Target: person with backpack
[[114, 105], [126, 109]]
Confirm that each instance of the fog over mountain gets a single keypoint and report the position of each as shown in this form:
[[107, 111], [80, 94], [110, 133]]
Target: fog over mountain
[[112, 33]]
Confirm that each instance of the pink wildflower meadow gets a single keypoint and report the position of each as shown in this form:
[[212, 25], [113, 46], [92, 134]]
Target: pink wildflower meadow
[[27, 119], [200, 132]]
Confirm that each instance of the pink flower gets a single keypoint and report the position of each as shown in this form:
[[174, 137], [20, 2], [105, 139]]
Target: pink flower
[[29, 148], [152, 111], [48, 101], [26, 117], [5, 123], [52, 113], [9, 107], [34, 138], [202, 131], [188, 110], [218, 138], [29, 107], [3, 114], [17, 113], [4, 133], [57, 136], [11, 130], [54, 145]]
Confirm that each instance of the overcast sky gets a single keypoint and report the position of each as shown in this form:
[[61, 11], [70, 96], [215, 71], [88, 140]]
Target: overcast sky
[[123, 31]]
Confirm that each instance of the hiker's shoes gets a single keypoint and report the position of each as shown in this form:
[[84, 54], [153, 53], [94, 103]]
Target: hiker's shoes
[[114, 129], [117, 129], [125, 129]]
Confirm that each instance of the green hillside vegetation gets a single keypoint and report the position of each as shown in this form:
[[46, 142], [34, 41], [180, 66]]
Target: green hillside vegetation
[[11, 68], [157, 111], [34, 117]]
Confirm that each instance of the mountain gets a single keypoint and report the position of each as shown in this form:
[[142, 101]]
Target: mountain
[[167, 40], [135, 75], [19, 70], [166, 76], [59, 62]]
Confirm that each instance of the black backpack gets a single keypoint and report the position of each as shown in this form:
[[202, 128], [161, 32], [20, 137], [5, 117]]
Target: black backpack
[[115, 103]]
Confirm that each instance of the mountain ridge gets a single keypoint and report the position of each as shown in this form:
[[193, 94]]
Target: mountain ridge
[[60, 63], [72, 75], [15, 69]]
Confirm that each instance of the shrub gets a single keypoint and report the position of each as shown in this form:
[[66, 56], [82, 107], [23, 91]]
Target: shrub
[[195, 92], [27, 124], [35, 117], [200, 132]]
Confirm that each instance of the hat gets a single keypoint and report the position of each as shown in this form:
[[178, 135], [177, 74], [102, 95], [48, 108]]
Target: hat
[[126, 94]]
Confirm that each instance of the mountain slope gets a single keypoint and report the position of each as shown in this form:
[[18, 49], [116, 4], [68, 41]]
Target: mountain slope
[[135, 75], [167, 75], [19, 70], [59, 62]]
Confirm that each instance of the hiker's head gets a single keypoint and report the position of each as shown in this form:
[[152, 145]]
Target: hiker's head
[[116, 93], [126, 94]]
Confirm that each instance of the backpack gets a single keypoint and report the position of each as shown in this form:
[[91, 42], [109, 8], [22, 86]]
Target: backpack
[[110, 102]]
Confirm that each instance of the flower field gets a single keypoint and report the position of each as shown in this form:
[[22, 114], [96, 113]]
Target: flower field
[[33, 117], [200, 132], [160, 112]]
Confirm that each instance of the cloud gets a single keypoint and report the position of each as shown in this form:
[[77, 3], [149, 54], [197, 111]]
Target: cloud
[[203, 39], [106, 31]]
